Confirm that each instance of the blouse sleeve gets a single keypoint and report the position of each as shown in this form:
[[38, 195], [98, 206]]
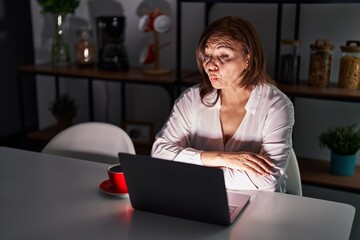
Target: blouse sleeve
[[172, 140], [276, 144]]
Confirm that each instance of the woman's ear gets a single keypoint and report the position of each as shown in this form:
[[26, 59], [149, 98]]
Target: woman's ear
[[247, 61]]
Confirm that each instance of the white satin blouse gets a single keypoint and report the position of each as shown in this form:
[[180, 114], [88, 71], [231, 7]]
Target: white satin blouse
[[266, 128]]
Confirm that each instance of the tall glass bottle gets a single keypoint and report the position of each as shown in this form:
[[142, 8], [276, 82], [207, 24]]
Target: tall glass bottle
[[290, 61]]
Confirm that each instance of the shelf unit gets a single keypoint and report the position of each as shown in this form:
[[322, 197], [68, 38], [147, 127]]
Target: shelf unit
[[308, 174], [316, 172], [210, 3], [133, 76]]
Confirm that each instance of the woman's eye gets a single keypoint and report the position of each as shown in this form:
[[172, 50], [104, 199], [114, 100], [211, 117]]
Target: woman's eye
[[206, 58], [224, 56]]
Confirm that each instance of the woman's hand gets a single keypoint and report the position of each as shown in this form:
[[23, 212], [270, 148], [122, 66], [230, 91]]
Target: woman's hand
[[250, 162]]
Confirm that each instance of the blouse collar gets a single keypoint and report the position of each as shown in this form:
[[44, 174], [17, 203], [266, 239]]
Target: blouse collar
[[251, 106], [254, 99]]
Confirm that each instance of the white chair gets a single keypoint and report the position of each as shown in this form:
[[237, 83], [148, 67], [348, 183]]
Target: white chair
[[293, 182], [93, 141]]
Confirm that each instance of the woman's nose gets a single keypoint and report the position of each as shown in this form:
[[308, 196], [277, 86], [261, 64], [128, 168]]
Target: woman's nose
[[212, 65]]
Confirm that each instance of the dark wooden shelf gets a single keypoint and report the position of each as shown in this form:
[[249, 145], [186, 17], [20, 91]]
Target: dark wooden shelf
[[317, 172], [329, 93], [45, 134], [134, 75], [303, 90]]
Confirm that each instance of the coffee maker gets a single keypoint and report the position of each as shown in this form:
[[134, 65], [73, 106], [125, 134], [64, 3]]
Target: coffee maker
[[112, 53]]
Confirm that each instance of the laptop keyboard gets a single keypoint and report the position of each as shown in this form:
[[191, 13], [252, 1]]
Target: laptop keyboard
[[232, 209]]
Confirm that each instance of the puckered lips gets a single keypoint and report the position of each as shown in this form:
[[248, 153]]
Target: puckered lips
[[213, 78]]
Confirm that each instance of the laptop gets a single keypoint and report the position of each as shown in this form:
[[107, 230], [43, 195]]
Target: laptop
[[180, 189]]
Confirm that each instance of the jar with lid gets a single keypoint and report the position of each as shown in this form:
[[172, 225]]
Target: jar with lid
[[321, 58], [290, 61], [85, 51], [349, 75]]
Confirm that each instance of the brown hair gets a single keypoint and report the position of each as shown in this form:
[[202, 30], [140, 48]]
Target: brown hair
[[237, 29]]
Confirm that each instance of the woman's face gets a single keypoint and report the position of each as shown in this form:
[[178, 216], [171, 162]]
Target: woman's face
[[224, 62]]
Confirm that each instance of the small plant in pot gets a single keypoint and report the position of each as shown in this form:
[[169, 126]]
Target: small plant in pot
[[64, 110], [343, 142]]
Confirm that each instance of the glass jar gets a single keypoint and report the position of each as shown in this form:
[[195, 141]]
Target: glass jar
[[321, 59], [85, 51], [349, 75], [290, 61]]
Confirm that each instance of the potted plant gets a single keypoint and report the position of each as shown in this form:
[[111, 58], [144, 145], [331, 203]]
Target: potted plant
[[64, 110], [343, 142], [60, 52]]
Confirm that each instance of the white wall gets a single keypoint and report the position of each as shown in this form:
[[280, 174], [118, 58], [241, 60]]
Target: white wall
[[336, 22]]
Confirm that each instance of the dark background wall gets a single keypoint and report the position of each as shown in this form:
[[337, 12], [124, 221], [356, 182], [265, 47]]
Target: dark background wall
[[16, 48]]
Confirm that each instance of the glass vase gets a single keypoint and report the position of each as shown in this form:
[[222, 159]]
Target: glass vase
[[60, 54]]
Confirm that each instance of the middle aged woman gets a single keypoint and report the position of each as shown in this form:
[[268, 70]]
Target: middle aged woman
[[235, 119]]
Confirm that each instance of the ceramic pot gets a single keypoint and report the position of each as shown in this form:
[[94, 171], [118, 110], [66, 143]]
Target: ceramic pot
[[343, 165]]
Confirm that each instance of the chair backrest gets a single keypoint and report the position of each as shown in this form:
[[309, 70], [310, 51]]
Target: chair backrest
[[94, 141], [293, 182]]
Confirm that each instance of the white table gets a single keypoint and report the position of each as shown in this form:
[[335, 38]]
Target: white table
[[51, 197]]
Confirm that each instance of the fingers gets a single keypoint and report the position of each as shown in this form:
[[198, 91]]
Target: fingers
[[265, 165], [258, 164], [251, 170], [261, 170], [250, 162], [267, 160], [257, 168]]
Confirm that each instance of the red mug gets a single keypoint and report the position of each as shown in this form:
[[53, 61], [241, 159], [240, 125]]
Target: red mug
[[117, 178]]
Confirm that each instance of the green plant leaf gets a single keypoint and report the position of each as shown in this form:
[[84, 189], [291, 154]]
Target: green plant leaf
[[344, 140], [58, 6], [63, 106]]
